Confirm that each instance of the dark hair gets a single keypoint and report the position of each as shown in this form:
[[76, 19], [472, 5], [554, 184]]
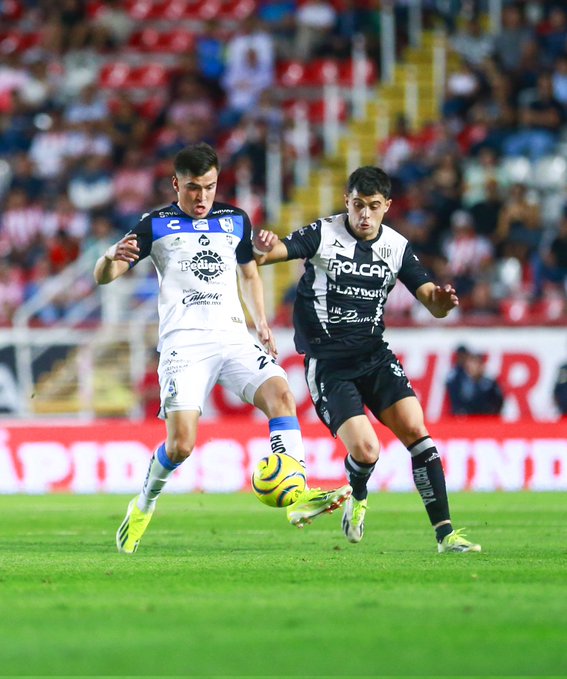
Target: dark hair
[[369, 180], [196, 159]]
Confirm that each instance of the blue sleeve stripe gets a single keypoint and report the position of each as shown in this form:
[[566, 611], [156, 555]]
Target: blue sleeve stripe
[[282, 423]]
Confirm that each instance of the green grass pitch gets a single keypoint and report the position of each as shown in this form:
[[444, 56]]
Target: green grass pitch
[[223, 587]]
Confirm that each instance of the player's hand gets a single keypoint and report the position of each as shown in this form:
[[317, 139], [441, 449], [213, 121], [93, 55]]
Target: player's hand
[[267, 339], [445, 298], [264, 241], [126, 250]]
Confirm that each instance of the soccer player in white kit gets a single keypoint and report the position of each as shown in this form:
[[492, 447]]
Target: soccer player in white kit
[[200, 249]]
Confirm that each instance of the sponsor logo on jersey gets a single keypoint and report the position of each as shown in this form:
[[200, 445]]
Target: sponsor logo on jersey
[[349, 267], [355, 291], [196, 298], [350, 316], [203, 240], [226, 224], [173, 224], [200, 225], [206, 265]]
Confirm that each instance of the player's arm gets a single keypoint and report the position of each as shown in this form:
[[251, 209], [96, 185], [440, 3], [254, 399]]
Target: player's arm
[[438, 300], [268, 248], [117, 260], [252, 292]]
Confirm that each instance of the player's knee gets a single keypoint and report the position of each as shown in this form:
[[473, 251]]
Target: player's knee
[[180, 449], [275, 399], [365, 451]]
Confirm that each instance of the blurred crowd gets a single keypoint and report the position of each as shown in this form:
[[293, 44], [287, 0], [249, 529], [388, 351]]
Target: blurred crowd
[[86, 148]]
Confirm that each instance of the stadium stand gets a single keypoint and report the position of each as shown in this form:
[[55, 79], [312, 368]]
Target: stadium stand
[[139, 55]]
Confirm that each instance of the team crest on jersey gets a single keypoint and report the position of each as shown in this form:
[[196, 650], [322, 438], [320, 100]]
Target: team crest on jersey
[[206, 265], [226, 224], [200, 225], [384, 251]]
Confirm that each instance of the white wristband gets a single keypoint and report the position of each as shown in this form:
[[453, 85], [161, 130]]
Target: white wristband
[[258, 252]]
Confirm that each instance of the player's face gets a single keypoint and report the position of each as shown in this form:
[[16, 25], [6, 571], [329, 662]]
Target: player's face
[[195, 195], [365, 213]]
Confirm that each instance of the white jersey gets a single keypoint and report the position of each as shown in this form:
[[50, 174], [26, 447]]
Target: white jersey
[[196, 261]]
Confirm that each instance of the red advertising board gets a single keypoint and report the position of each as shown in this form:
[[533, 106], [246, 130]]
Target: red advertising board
[[111, 456]]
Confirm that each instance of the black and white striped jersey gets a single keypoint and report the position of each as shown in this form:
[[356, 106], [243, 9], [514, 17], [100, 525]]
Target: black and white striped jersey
[[196, 261], [339, 308]]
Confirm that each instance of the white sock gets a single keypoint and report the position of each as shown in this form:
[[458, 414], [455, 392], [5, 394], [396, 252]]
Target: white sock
[[159, 471], [285, 437]]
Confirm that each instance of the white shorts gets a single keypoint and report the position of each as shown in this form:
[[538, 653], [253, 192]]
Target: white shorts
[[192, 362]]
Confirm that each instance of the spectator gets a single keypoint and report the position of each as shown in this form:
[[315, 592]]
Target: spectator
[[486, 212], [91, 185], [477, 172], [244, 81], [550, 263], [278, 16], [540, 123], [133, 183], [11, 290], [472, 42], [519, 225], [559, 79], [471, 391], [553, 33], [468, 254], [560, 390], [315, 21], [515, 33]]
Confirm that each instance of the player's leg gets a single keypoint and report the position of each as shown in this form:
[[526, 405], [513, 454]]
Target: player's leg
[[274, 398], [258, 379], [186, 376], [405, 419], [181, 436], [363, 447]]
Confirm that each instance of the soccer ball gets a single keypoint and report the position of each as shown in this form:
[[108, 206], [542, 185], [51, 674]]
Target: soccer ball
[[278, 480]]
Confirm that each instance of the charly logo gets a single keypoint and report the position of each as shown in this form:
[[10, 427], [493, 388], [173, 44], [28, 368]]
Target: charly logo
[[206, 265], [203, 240]]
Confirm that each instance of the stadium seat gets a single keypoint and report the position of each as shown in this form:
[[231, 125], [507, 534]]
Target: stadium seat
[[16, 41], [170, 42], [346, 72], [236, 10], [115, 75], [321, 72], [290, 73], [316, 110], [517, 170], [550, 173]]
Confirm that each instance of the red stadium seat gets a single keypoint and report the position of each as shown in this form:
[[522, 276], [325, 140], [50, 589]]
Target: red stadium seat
[[236, 10], [15, 41], [346, 74], [321, 72], [149, 76], [290, 73], [115, 76], [204, 10], [151, 40], [316, 110]]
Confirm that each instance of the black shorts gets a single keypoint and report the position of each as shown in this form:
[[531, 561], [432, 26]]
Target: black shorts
[[340, 389]]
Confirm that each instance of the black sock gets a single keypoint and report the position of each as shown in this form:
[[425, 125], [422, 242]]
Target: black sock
[[358, 474], [429, 479]]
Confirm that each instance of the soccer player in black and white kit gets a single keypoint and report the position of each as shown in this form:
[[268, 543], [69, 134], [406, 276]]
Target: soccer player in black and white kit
[[200, 249], [352, 261]]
